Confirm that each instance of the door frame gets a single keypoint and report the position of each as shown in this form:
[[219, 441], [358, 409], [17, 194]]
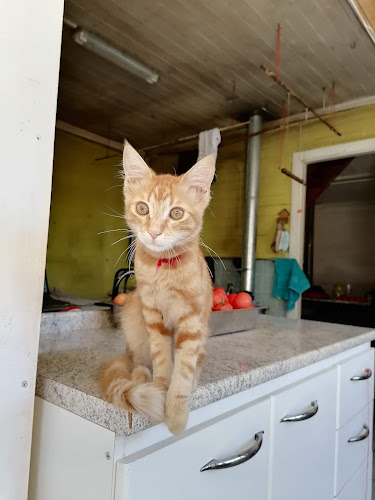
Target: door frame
[[300, 161], [31, 37]]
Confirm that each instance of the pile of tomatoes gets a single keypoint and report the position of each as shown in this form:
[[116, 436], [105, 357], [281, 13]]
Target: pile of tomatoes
[[223, 302]]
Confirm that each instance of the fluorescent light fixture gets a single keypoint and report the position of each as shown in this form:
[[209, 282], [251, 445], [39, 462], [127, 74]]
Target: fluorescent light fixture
[[102, 48]]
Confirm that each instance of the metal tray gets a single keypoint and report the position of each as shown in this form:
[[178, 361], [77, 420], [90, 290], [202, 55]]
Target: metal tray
[[238, 320]]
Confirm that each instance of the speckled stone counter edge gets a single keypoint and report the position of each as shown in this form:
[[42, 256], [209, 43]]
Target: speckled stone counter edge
[[77, 319], [104, 414]]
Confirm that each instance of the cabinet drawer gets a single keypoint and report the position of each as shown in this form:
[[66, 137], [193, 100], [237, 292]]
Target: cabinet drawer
[[359, 487], [350, 455], [173, 472], [303, 451], [354, 394]]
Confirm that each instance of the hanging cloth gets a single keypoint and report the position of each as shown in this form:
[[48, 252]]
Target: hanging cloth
[[208, 143]]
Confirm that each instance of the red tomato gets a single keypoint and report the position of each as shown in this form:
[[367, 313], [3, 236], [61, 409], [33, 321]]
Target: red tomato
[[219, 296], [221, 291], [242, 301], [231, 297], [223, 307]]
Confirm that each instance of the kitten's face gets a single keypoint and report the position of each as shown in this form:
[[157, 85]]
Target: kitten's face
[[164, 211]]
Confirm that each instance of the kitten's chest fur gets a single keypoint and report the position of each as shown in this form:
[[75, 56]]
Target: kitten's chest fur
[[176, 291]]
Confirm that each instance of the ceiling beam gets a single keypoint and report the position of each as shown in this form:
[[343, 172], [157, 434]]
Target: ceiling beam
[[85, 134]]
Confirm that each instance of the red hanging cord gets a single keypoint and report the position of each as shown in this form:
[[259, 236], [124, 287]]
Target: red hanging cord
[[282, 135], [333, 97], [277, 54]]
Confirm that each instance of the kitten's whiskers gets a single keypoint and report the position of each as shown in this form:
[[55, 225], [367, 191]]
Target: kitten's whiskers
[[110, 215], [115, 186], [114, 211], [209, 251], [124, 238], [112, 230], [120, 257]]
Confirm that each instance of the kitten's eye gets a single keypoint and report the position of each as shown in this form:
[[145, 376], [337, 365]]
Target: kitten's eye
[[142, 208], [176, 213]]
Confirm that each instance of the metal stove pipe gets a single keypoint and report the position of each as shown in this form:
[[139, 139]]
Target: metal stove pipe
[[251, 203]]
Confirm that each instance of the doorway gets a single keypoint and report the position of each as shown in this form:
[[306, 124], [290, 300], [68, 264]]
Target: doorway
[[339, 241], [301, 161]]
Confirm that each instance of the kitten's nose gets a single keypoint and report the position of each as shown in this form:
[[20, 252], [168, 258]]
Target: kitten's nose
[[154, 234]]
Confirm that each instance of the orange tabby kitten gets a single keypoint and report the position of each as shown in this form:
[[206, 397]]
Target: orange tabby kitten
[[165, 320]]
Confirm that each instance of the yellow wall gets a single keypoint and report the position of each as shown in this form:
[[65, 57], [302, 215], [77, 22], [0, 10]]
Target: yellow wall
[[80, 261], [275, 187]]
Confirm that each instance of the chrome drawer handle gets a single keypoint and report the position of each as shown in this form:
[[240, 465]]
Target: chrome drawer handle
[[360, 437], [236, 459], [302, 416], [367, 374]]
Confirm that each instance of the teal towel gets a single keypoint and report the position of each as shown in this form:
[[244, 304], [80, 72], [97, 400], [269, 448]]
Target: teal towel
[[290, 281]]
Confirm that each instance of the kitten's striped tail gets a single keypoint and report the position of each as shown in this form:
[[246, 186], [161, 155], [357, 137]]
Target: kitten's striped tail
[[131, 389]]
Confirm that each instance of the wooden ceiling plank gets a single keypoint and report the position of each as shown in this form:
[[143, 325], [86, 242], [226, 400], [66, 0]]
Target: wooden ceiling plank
[[68, 87], [165, 46], [177, 53], [241, 35], [291, 37], [135, 131], [146, 93], [343, 30], [225, 103], [231, 46], [360, 47], [291, 60], [224, 48], [133, 114], [123, 91], [297, 18], [177, 77], [246, 84], [336, 50], [120, 90]]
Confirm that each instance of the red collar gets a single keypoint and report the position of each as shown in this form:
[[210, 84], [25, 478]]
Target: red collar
[[171, 261]]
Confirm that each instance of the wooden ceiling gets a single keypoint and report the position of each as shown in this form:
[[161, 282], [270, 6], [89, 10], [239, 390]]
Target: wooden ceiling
[[208, 54]]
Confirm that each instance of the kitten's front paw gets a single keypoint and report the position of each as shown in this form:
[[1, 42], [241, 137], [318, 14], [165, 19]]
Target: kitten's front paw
[[176, 413]]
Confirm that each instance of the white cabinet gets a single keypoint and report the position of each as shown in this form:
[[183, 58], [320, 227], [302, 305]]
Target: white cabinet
[[303, 439], [292, 457], [174, 471]]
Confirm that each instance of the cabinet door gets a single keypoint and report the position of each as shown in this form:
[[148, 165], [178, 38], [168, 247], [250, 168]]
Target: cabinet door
[[303, 449], [359, 487], [353, 446], [71, 458], [356, 385], [174, 471]]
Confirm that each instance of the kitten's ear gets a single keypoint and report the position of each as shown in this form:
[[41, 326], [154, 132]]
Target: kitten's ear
[[135, 168], [199, 178]]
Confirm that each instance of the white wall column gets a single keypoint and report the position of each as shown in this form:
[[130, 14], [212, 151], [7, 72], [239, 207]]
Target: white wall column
[[30, 40]]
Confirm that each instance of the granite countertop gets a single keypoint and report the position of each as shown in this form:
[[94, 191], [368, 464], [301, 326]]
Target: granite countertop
[[69, 361]]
